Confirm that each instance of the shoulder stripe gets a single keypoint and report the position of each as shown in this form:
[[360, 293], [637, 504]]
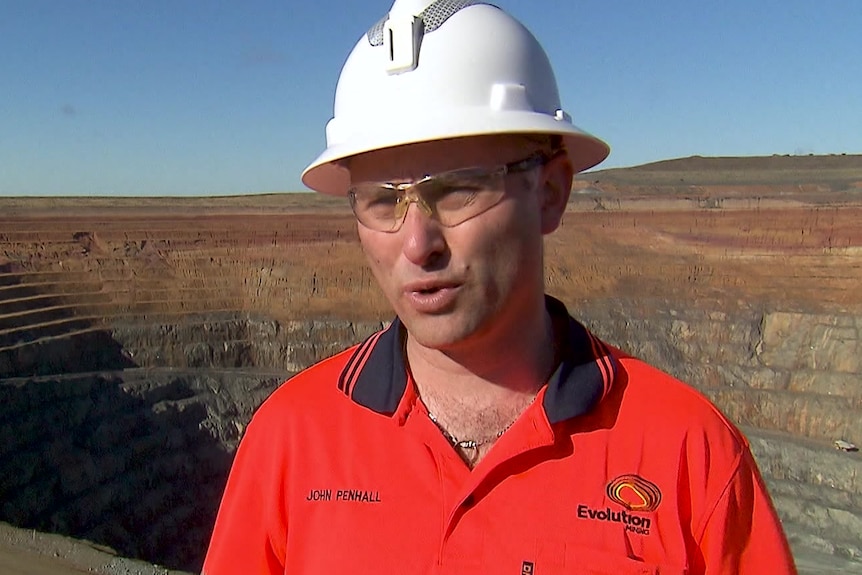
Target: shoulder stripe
[[604, 362], [349, 376], [375, 376]]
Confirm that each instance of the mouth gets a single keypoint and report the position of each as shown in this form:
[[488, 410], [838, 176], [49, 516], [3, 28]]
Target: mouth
[[432, 297], [429, 288]]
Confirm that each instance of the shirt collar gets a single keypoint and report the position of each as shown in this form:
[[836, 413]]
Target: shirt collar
[[375, 376]]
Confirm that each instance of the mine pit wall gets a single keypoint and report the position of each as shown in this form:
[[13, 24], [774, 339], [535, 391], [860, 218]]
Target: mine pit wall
[[237, 340], [136, 459], [124, 436], [755, 364], [799, 373]]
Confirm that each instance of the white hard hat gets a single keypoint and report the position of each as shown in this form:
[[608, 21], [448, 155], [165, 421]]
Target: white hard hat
[[434, 70]]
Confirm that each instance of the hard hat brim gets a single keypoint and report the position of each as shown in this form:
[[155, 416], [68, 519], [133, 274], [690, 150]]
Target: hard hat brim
[[329, 174]]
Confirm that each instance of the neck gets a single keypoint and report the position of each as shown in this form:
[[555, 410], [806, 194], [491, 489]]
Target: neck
[[476, 390], [487, 370]]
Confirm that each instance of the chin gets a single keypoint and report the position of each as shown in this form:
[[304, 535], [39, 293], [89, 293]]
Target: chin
[[438, 332]]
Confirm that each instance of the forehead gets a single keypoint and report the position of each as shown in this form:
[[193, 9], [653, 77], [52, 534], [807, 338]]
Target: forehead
[[414, 161]]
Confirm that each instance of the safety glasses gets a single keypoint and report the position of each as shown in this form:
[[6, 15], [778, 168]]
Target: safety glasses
[[451, 197]]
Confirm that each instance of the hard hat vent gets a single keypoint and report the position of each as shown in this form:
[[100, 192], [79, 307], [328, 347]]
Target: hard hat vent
[[432, 18]]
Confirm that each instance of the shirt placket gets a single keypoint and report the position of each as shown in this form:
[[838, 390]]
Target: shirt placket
[[462, 549]]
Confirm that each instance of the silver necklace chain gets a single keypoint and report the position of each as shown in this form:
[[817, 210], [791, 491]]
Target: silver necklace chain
[[471, 444], [469, 448]]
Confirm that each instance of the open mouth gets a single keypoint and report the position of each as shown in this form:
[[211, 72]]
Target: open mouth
[[432, 296]]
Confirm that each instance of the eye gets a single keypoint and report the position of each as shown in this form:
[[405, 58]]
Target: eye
[[377, 202], [384, 199], [451, 195]]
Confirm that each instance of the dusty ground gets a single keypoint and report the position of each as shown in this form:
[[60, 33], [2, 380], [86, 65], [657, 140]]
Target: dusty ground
[[732, 233], [26, 552]]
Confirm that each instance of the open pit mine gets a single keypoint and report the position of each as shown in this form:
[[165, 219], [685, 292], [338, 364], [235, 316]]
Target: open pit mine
[[138, 336]]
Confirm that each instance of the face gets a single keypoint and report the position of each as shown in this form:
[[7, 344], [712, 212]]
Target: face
[[452, 286]]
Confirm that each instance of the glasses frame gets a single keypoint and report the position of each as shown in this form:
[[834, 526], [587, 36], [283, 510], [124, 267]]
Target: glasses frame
[[409, 195]]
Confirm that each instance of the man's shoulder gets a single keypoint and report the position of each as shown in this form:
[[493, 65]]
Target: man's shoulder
[[312, 386], [328, 369], [669, 403]]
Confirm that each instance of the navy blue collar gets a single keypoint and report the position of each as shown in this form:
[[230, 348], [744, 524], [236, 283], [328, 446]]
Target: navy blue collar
[[375, 376]]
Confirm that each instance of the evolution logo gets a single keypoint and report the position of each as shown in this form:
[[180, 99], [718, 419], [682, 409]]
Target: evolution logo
[[635, 494]]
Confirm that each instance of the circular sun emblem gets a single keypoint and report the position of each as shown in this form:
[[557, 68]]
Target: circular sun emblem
[[634, 493]]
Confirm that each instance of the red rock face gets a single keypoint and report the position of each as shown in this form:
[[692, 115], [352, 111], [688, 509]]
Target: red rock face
[[798, 257]]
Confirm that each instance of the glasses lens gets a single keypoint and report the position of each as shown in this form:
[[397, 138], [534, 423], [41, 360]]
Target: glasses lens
[[457, 196], [451, 197], [377, 206]]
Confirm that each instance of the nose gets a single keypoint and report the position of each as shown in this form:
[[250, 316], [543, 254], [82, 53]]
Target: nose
[[422, 236]]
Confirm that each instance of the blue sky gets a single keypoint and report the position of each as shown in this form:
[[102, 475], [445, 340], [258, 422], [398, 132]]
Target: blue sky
[[212, 97]]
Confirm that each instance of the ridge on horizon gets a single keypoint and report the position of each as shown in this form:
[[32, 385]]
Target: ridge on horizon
[[832, 172], [773, 162]]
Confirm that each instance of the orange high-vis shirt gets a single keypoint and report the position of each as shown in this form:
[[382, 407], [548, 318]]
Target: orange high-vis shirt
[[615, 469]]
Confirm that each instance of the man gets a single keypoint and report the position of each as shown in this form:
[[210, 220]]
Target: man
[[485, 431]]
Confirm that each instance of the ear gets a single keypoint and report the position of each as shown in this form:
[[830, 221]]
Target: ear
[[557, 188]]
